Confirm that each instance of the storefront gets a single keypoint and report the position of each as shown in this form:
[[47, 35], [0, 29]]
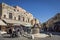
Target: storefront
[[2, 26], [27, 28]]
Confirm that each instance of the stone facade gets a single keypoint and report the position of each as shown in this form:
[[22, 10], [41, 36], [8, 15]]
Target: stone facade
[[15, 15], [53, 24], [35, 21]]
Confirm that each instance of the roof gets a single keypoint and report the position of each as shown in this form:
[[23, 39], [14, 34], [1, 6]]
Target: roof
[[1, 22]]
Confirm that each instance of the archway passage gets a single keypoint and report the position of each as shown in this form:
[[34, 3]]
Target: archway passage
[[57, 26]]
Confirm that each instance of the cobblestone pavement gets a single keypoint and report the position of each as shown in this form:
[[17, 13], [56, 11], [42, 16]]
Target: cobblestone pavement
[[54, 37]]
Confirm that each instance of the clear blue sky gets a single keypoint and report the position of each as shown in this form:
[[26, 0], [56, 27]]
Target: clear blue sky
[[41, 9]]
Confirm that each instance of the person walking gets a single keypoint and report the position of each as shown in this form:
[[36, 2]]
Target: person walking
[[10, 32], [14, 34]]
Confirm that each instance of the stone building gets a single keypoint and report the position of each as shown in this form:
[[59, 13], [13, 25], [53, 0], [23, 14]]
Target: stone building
[[53, 24], [14, 16]]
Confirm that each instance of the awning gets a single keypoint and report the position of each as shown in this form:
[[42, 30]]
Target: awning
[[2, 23], [12, 21], [18, 23], [27, 25]]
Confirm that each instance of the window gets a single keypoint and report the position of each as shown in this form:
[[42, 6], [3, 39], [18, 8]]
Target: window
[[14, 18], [35, 20], [32, 22], [10, 15], [17, 10], [4, 16], [23, 18], [19, 17], [24, 13], [28, 20], [3, 4], [14, 10]]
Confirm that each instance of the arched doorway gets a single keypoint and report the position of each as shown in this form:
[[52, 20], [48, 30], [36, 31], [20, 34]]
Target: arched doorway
[[57, 26]]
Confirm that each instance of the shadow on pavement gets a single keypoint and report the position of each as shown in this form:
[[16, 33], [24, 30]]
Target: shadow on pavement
[[53, 33]]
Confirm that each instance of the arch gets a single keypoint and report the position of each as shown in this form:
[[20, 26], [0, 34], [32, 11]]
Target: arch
[[57, 26]]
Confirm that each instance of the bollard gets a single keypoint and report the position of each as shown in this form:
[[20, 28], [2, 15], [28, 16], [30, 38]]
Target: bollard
[[32, 37], [50, 35]]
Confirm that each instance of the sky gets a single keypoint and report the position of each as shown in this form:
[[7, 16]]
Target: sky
[[40, 9]]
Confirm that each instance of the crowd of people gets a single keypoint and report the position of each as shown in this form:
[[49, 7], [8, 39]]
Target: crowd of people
[[14, 32], [19, 31]]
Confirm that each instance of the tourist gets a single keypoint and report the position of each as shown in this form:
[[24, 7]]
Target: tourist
[[10, 32]]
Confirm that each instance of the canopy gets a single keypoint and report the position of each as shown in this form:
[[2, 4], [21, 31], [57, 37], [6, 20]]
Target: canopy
[[27, 25], [2, 23], [12, 21], [16, 22]]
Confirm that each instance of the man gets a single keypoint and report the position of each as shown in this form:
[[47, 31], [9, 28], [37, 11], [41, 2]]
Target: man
[[10, 32]]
